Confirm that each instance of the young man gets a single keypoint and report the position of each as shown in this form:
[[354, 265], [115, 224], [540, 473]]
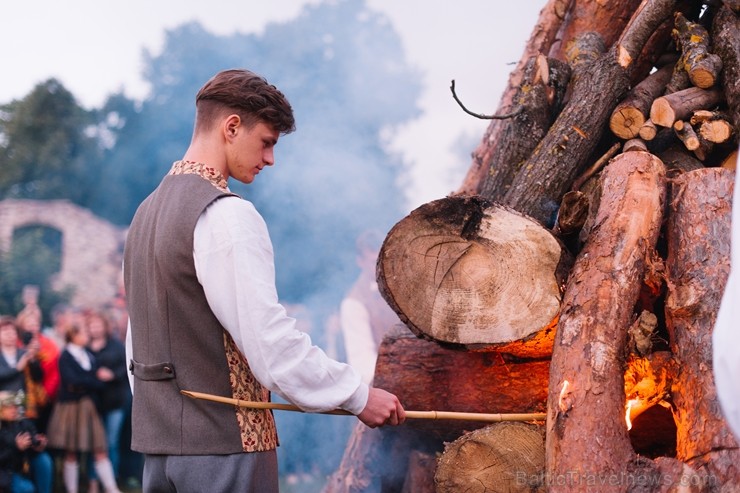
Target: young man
[[204, 312]]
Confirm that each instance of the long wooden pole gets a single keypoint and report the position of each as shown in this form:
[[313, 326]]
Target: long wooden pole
[[486, 417]]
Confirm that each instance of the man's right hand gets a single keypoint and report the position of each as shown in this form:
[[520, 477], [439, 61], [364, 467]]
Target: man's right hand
[[382, 408]]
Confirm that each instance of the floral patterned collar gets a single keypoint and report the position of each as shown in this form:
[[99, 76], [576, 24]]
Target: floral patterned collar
[[202, 170]]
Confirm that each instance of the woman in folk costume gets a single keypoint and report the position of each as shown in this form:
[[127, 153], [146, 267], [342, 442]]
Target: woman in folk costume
[[75, 426]]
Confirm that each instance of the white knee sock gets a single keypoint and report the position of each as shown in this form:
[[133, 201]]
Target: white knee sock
[[71, 475], [104, 469]]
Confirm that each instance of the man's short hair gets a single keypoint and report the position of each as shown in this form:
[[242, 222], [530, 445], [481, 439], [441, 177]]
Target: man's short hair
[[247, 94]]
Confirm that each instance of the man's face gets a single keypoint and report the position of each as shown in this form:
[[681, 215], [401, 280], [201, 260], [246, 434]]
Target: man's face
[[8, 336], [251, 150]]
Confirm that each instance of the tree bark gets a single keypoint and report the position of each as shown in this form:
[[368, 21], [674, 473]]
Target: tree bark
[[726, 40], [538, 188], [698, 265], [537, 102], [607, 19], [470, 273], [500, 458], [426, 376], [701, 66], [586, 430], [631, 114], [420, 475], [665, 110]]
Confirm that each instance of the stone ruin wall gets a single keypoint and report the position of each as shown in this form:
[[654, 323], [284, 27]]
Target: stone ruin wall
[[92, 248]]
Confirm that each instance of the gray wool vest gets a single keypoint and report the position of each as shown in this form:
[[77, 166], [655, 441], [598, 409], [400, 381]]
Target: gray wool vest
[[178, 344]]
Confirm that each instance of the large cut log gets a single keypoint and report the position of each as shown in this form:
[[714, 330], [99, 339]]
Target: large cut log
[[549, 172], [698, 264], [471, 273], [540, 41], [586, 430], [426, 376], [500, 458], [726, 39]]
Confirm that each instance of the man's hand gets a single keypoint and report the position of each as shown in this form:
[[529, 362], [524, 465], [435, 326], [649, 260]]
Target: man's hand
[[382, 408]]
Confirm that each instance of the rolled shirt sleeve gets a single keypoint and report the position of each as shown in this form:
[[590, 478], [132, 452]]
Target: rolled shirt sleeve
[[234, 262]]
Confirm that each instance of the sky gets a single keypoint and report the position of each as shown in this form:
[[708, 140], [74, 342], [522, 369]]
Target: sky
[[95, 49]]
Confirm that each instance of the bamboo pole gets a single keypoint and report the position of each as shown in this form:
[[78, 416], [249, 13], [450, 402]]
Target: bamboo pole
[[485, 417]]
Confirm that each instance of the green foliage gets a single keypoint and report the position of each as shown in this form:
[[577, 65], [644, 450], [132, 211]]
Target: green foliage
[[33, 259], [47, 148]]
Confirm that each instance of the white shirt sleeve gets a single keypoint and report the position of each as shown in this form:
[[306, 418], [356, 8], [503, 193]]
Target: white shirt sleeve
[[726, 335], [234, 262]]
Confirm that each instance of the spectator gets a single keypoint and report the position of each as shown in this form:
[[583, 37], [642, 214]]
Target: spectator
[[115, 398], [75, 426], [25, 466], [15, 362], [39, 400]]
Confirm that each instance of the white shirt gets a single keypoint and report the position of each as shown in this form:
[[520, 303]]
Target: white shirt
[[726, 335], [234, 262]]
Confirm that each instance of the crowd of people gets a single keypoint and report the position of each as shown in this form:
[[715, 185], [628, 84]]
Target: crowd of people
[[65, 401]]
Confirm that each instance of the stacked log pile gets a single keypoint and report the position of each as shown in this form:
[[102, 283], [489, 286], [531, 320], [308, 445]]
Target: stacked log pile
[[576, 271]]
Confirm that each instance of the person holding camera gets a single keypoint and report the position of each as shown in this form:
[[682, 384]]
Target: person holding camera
[[25, 466]]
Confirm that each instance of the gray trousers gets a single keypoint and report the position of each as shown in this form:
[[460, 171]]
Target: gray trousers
[[255, 472]]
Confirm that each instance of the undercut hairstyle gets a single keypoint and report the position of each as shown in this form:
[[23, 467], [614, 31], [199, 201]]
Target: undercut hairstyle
[[248, 95]]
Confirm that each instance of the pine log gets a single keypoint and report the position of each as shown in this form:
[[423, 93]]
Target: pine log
[[537, 102], [702, 67], [716, 131], [375, 460], [420, 475], [648, 130], [360, 470], [632, 113], [549, 172], [730, 162], [635, 144], [726, 39], [686, 134], [540, 40], [606, 19], [427, 376], [665, 110], [698, 263], [500, 458], [586, 430], [467, 272], [676, 157]]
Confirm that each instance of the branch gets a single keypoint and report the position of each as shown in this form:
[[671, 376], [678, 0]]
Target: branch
[[478, 115]]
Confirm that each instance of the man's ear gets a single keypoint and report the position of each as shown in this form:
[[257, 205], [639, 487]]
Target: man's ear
[[231, 125]]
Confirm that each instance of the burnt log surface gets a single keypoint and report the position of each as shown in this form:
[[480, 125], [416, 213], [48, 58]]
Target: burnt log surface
[[474, 274], [698, 263]]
